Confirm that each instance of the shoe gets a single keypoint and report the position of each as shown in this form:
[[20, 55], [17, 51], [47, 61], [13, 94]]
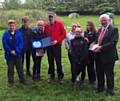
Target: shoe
[[81, 82], [61, 81], [74, 86], [29, 74], [10, 84], [93, 82], [110, 93], [99, 90], [23, 82], [81, 85], [37, 77], [51, 79], [34, 77]]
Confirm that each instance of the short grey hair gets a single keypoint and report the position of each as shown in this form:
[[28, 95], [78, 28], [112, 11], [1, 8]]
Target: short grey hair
[[105, 16]]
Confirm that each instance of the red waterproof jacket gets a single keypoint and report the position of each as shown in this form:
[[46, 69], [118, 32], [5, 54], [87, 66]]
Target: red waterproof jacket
[[55, 31]]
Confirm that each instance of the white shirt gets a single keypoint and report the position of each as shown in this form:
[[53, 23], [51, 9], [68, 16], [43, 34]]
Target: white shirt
[[68, 38]]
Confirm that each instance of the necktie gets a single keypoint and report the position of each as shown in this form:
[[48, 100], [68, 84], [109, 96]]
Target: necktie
[[101, 36]]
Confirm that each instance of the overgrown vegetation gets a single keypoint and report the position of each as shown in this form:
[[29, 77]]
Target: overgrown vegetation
[[34, 16], [92, 6]]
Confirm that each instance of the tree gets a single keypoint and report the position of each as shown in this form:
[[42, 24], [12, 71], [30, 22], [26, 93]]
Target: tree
[[12, 4], [98, 6]]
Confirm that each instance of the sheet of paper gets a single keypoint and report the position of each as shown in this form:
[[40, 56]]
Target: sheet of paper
[[39, 52], [94, 47]]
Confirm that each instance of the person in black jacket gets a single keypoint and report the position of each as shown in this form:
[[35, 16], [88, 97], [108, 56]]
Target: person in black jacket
[[106, 54], [26, 32], [79, 51], [90, 35], [37, 53]]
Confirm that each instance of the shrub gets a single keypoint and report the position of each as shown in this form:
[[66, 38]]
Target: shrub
[[34, 15], [105, 7]]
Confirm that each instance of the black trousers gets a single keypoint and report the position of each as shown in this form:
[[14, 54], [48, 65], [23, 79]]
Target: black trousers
[[70, 59], [77, 68], [71, 63], [18, 64], [90, 68], [103, 70], [54, 53], [27, 53], [37, 63]]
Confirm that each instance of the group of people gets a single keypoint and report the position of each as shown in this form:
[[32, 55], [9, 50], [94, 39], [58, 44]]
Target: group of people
[[86, 50]]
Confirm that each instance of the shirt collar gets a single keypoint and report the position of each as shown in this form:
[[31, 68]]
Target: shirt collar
[[105, 28]]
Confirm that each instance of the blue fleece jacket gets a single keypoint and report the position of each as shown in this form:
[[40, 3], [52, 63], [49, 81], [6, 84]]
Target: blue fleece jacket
[[9, 46]]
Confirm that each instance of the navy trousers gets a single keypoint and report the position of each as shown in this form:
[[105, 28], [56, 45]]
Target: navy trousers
[[27, 53], [18, 64], [54, 55], [37, 63]]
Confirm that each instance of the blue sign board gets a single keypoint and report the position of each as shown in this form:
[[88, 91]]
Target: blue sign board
[[45, 42]]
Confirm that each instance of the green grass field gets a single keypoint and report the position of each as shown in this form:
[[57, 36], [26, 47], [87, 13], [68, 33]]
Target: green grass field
[[42, 91]]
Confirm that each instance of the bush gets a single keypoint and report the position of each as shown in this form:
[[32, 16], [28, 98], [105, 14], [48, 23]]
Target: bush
[[105, 7], [34, 16]]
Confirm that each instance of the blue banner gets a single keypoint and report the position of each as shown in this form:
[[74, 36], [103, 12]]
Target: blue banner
[[45, 42]]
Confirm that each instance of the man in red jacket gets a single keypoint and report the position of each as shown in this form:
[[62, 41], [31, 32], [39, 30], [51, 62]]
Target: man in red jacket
[[56, 31]]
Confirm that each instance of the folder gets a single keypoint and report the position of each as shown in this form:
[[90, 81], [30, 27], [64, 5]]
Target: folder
[[43, 43]]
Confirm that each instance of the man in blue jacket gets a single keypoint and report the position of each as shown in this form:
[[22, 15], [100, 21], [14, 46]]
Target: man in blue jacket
[[13, 44]]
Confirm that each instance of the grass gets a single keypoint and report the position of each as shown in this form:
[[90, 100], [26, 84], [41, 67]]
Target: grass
[[42, 91]]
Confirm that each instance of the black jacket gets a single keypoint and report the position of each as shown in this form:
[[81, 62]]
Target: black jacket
[[91, 37], [37, 35], [27, 36], [108, 52], [79, 49]]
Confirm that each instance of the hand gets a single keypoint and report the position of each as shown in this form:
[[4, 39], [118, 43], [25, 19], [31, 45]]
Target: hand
[[13, 52], [98, 49], [92, 45], [54, 42], [86, 39]]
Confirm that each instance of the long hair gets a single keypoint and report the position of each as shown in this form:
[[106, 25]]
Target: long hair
[[93, 29]]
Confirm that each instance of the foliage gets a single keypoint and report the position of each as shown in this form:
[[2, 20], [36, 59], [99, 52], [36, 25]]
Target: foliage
[[105, 7], [34, 16], [11, 4], [96, 6]]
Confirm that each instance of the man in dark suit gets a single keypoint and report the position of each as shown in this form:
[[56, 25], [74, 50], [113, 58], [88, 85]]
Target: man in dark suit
[[106, 54]]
